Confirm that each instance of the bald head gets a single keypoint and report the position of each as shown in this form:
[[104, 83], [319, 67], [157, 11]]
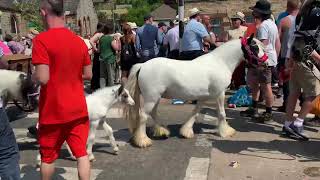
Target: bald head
[[53, 7]]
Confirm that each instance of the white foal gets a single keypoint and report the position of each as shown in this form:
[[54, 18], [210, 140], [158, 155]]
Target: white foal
[[205, 78], [98, 104]]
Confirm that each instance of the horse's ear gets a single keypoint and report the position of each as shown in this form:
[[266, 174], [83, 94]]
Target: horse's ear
[[250, 38], [120, 90]]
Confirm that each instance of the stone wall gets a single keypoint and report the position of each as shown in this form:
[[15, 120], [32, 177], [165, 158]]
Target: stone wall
[[231, 6], [5, 21], [87, 11]]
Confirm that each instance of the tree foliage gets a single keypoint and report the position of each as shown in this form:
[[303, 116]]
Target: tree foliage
[[30, 12], [139, 9]]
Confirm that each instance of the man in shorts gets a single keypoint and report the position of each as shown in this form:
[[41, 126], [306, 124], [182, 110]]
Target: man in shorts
[[257, 77], [61, 62], [303, 76]]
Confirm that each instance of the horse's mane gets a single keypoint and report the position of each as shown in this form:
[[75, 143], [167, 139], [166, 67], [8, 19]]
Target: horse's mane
[[105, 91]]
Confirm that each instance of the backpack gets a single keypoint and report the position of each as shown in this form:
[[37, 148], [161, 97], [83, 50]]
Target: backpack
[[128, 52]]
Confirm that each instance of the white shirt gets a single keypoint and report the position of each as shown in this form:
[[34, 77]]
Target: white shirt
[[172, 38], [268, 30]]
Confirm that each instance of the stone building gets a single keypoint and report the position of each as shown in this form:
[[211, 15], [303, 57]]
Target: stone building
[[81, 16], [164, 13], [221, 10], [11, 21]]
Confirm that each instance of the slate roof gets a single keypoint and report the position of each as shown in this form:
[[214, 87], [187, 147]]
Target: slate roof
[[164, 12]]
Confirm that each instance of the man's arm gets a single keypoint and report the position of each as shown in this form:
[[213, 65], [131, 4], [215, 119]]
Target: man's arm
[[203, 33], [278, 46], [87, 72], [315, 55], [42, 74]]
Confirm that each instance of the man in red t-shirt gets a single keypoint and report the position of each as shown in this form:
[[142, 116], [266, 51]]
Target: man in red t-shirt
[[62, 62]]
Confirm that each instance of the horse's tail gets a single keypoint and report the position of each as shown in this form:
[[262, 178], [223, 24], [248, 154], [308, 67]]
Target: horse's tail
[[132, 113]]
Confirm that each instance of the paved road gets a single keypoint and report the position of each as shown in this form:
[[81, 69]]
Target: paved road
[[166, 159], [260, 151]]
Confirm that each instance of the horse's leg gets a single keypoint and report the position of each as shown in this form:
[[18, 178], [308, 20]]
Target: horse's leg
[[159, 131], [224, 129], [140, 137], [187, 129], [92, 134], [109, 133]]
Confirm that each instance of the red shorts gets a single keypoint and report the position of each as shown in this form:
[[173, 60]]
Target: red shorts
[[51, 138]]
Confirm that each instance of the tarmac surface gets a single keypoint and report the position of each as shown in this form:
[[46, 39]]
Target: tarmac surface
[[258, 149]]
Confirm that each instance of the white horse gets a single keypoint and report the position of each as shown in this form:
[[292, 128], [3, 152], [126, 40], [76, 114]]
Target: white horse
[[205, 78], [15, 85], [98, 104]]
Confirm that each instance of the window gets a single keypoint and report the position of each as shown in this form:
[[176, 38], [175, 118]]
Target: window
[[80, 27], [85, 26], [248, 17], [89, 25], [216, 24], [14, 24]]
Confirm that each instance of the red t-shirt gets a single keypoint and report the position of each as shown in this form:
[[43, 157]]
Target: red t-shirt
[[62, 99]]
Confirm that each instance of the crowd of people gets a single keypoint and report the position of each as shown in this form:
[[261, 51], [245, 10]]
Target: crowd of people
[[63, 114]]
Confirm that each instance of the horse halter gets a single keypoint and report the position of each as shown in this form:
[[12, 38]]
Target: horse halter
[[250, 56]]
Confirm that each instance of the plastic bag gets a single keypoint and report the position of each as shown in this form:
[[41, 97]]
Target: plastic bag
[[241, 98]]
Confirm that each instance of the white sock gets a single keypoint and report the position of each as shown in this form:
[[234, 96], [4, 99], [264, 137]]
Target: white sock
[[287, 123], [298, 122]]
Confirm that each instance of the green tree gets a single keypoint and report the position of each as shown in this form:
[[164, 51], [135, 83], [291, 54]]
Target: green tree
[[139, 9], [30, 12]]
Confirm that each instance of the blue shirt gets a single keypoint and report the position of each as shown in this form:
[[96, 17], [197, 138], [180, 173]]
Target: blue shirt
[[281, 16], [193, 34], [147, 40]]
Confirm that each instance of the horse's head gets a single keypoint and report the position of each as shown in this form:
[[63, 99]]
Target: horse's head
[[253, 51], [124, 97], [29, 91]]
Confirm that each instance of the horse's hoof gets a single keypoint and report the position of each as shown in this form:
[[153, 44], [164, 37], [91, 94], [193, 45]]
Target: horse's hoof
[[92, 158], [226, 132], [73, 158], [116, 150], [161, 132], [142, 141], [186, 132]]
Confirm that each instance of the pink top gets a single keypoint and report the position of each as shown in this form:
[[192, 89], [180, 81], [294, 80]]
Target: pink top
[[5, 48]]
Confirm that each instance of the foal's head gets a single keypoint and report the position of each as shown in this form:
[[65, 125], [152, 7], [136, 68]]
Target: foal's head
[[124, 97]]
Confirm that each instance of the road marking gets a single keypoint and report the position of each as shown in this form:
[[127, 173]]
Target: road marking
[[197, 169], [70, 173], [203, 139]]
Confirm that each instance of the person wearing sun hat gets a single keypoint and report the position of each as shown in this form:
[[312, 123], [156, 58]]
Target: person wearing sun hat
[[257, 78], [194, 35], [238, 30]]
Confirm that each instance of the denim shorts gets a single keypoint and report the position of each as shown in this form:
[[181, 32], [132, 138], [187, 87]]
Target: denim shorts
[[9, 152]]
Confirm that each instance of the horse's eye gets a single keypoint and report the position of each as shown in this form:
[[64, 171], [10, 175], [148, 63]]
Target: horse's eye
[[125, 96]]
